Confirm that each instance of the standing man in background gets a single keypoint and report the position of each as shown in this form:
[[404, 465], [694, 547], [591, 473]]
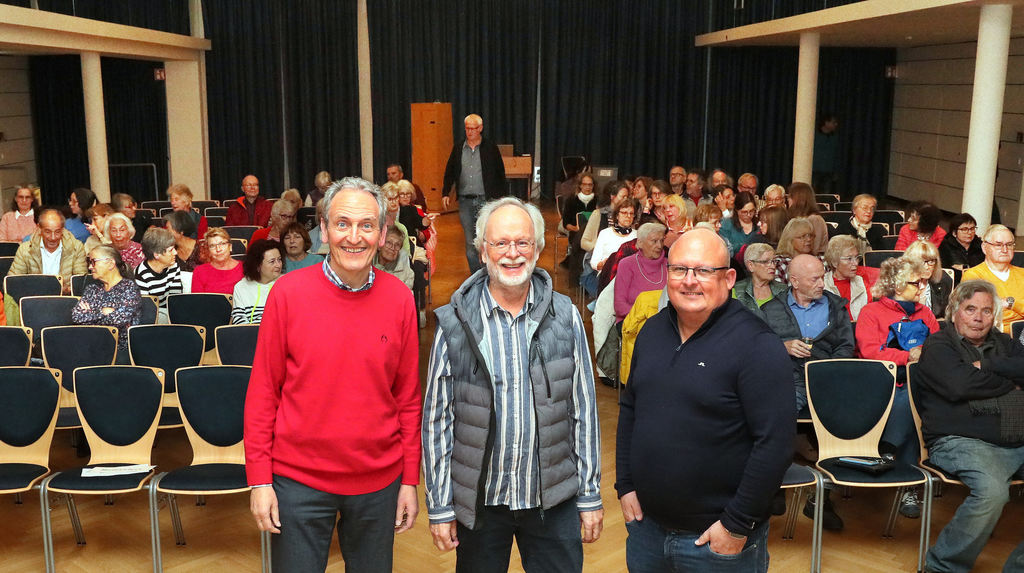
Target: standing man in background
[[477, 171]]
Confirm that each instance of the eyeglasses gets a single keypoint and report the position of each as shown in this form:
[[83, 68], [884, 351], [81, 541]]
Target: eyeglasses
[[393, 245], [1002, 246], [703, 274], [92, 262], [919, 283], [217, 246], [966, 229], [768, 262], [522, 245], [849, 259]]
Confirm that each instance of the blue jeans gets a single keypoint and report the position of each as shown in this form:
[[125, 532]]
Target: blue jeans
[[899, 430], [468, 209], [653, 549], [986, 469], [549, 541]]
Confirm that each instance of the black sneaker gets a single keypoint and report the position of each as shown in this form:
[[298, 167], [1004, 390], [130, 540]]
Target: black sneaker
[[910, 504], [829, 519]]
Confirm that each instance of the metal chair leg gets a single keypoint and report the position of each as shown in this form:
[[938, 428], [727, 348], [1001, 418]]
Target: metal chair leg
[[200, 500], [108, 499], [44, 508], [787, 531], [819, 499], [76, 524], [890, 524], [154, 524], [17, 499], [265, 551], [926, 524], [179, 533]]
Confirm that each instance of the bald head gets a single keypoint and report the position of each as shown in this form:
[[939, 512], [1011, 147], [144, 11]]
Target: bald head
[[712, 249], [699, 277], [807, 277], [51, 228]]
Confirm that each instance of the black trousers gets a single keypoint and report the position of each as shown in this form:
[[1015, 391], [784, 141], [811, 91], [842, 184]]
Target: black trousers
[[549, 541]]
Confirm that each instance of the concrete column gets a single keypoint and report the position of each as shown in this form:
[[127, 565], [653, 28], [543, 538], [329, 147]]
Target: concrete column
[[365, 105], [95, 125], [806, 106], [186, 122], [986, 112]]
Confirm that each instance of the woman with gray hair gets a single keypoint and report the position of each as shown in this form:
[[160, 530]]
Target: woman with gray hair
[[118, 229], [846, 277], [159, 274], [112, 300], [761, 286], [642, 271], [935, 295]]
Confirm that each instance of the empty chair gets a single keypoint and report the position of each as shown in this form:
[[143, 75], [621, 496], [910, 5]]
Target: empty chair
[[69, 347], [18, 286], [874, 258], [1018, 259], [28, 414], [843, 206], [236, 343], [203, 204], [214, 220], [890, 217], [215, 212], [39, 312], [119, 408], [8, 248], [167, 347], [836, 216], [239, 246], [15, 345], [883, 226], [212, 405], [241, 231], [156, 205], [829, 198], [897, 226], [889, 241], [208, 310]]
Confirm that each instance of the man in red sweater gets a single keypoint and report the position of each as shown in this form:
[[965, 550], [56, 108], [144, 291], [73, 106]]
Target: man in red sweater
[[250, 208], [333, 409]]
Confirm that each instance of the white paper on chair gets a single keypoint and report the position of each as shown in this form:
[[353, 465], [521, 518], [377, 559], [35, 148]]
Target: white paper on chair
[[116, 470]]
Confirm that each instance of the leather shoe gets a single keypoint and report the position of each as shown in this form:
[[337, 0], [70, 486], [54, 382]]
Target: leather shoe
[[829, 519]]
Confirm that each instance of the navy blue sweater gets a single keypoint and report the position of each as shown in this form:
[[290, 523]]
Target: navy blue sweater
[[706, 427]]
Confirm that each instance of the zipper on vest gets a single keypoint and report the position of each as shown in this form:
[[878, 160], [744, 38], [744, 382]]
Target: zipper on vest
[[543, 364]]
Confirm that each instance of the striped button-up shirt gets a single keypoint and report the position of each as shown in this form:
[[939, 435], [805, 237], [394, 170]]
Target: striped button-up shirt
[[336, 280], [512, 472]]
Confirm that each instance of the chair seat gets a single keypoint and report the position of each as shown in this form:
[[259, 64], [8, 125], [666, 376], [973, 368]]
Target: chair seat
[[72, 481], [170, 416], [205, 477], [19, 477], [68, 418], [901, 473], [798, 475]]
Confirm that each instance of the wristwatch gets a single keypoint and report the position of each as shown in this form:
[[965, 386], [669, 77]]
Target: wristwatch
[[1009, 302]]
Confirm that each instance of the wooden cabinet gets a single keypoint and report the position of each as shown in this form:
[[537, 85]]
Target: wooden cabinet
[[432, 141]]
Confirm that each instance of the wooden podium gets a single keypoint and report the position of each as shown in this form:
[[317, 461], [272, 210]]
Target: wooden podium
[[432, 142]]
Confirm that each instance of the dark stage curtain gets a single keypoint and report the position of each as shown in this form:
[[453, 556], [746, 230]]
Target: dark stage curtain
[[481, 57], [321, 89], [58, 121], [164, 15]]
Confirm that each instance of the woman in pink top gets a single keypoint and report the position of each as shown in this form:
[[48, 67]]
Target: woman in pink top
[[922, 225], [222, 272], [20, 221]]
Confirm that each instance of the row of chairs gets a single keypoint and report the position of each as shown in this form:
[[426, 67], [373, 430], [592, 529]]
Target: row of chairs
[[119, 407]]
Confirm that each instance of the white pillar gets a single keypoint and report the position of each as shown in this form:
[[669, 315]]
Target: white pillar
[[806, 106], [186, 123], [365, 105], [986, 112], [95, 126]]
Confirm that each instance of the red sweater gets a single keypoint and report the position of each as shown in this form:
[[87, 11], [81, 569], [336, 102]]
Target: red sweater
[[334, 396]]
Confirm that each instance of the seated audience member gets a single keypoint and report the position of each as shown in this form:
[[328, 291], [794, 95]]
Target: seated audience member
[[97, 217], [396, 174], [141, 219], [290, 196], [641, 193], [747, 183], [761, 286], [20, 222], [51, 250], [296, 249], [614, 192], [180, 197], [222, 272], [998, 269], [262, 268], [802, 203], [677, 179], [848, 278], [251, 208], [282, 214], [609, 241], [711, 214], [416, 222], [893, 328], [119, 231], [774, 196], [797, 239], [392, 209], [725, 197], [813, 325], [859, 225], [159, 275], [80, 201], [720, 177], [771, 222], [316, 244], [969, 395], [659, 190], [582, 201], [191, 253], [113, 299], [742, 227], [936, 294], [960, 249], [391, 259], [642, 271], [676, 221], [922, 225], [696, 192], [321, 182], [647, 304]]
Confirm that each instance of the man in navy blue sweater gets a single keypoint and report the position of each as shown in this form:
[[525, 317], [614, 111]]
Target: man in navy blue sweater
[[706, 423]]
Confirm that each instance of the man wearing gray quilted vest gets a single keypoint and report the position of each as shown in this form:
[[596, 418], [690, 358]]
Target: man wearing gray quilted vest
[[511, 439]]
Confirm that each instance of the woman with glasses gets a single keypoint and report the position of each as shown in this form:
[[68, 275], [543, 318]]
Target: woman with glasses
[[761, 286], [191, 253], [111, 299], [847, 277], [282, 214], [742, 227], [262, 268], [935, 295], [392, 260], [296, 249], [998, 269], [797, 239], [222, 272], [859, 225], [961, 248], [801, 203], [641, 271], [20, 221]]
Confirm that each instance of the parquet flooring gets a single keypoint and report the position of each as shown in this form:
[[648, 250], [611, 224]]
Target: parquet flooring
[[222, 537]]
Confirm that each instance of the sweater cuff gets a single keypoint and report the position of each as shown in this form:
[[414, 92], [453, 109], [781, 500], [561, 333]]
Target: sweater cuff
[[259, 473]]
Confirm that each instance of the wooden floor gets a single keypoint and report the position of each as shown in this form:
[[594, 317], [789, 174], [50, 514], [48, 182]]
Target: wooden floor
[[222, 537]]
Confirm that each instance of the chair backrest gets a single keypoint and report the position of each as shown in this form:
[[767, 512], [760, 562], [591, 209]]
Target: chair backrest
[[15, 345], [208, 310], [239, 246], [39, 312], [1018, 259], [1016, 328], [204, 204], [305, 216], [158, 222], [212, 400], [155, 205], [167, 347], [78, 284], [889, 242], [17, 286], [215, 212], [824, 206], [29, 399], [848, 427], [897, 226], [829, 198], [874, 258], [240, 231], [914, 410], [5, 267], [8, 248], [883, 226], [843, 206], [119, 407], [890, 217], [836, 216], [69, 347], [150, 307], [236, 343], [214, 220]]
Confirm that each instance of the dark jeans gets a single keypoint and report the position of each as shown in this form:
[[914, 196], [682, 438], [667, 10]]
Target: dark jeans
[[366, 528], [549, 541], [468, 208], [899, 430], [653, 549]]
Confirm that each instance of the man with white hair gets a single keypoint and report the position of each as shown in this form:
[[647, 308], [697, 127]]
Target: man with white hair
[[477, 172], [998, 244], [511, 439]]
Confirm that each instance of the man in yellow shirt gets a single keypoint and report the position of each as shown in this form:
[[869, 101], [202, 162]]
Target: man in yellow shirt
[[998, 244]]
